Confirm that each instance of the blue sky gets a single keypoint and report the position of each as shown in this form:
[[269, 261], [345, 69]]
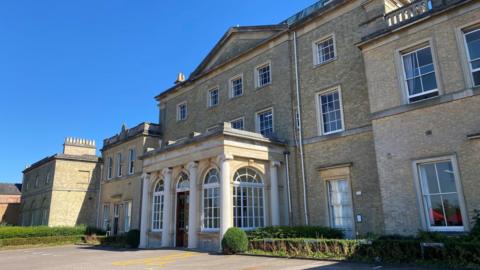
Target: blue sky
[[82, 68]]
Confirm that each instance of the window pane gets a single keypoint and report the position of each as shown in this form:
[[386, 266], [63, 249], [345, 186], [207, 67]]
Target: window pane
[[429, 82], [435, 210], [476, 77], [446, 177], [473, 44], [429, 178], [452, 210]]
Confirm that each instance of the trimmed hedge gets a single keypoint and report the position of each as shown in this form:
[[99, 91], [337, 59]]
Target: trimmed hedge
[[456, 252], [41, 231], [234, 241], [70, 239], [283, 232], [133, 238], [306, 248]]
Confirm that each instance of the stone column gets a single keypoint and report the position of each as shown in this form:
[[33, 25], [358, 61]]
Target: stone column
[[192, 205], [274, 201], [144, 213], [225, 195], [167, 206]]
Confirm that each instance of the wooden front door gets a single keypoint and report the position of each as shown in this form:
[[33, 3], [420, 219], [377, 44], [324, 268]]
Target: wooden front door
[[182, 219]]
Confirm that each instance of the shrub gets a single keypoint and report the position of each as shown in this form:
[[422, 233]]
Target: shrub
[[133, 238], [475, 232], [286, 232], [307, 248], [40, 231], [234, 241], [49, 240]]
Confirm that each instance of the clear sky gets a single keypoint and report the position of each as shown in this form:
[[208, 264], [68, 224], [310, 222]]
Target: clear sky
[[82, 68]]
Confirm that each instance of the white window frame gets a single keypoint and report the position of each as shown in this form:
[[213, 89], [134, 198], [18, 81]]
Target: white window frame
[[208, 187], [319, 110], [316, 55], [420, 196], [209, 97], [238, 119], [349, 195], [127, 216], [467, 52], [404, 83], [237, 184], [257, 119], [179, 116], [118, 161], [161, 201], [230, 86], [109, 168], [132, 157], [257, 74], [36, 181], [106, 218]]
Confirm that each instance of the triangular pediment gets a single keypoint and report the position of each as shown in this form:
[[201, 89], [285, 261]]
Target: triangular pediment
[[236, 41]]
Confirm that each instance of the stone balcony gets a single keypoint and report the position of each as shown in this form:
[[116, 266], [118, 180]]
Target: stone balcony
[[383, 18]]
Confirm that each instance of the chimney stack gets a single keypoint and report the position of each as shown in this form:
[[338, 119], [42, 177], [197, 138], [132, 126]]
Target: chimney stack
[[180, 78]]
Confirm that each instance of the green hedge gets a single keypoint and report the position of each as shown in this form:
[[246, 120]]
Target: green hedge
[[41, 231], [456, 252], [283, 232], [306, 248], [70, 239]]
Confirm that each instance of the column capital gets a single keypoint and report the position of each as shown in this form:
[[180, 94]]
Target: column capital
[[145, 175], [224, 157], [192, 165], [167, 171], [275, 163]]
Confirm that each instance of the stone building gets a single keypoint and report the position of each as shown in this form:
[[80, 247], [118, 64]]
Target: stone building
[[306, 122], [121, 186], [10, 203], [62, 190], [423, 70], [358, 115]]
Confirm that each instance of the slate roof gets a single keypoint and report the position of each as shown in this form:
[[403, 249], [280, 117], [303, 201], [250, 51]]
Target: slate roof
[[10, 189]]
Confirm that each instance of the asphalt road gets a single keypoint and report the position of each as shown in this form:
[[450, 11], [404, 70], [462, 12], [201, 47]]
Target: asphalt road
[[91, 258]]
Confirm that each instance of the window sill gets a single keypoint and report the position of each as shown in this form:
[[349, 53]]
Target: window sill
[[213, 107], [235, 97], [263, 86], [210, 232], [318, 65]]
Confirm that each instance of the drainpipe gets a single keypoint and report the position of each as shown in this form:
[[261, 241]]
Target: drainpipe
[[300, 138], [99, 197], [289, 196]]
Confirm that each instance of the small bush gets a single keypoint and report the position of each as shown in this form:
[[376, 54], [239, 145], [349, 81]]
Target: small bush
[[286, 232], [133, 238], [234, 241]]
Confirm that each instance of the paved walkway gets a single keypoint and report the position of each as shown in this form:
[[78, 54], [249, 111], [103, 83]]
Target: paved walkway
[[90, 258]]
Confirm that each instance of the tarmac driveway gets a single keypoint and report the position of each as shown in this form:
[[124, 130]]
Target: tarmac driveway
[[92, 258]]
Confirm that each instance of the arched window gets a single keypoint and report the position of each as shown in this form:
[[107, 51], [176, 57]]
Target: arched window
[[183, 182], [211, 201], [157, 206], [248, 212]]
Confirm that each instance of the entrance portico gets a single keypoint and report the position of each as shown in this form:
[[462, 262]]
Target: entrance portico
[[195, 189]]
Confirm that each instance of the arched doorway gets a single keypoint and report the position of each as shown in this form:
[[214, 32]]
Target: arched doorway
[[181, 230]]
